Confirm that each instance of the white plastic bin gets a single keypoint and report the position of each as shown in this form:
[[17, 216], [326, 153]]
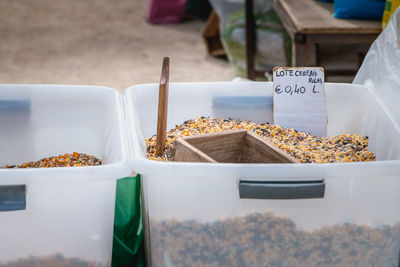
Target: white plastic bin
[[194, 215], [59, 216]]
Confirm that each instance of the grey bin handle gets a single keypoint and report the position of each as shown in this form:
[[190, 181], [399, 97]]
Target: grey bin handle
[[12, 197], [281, 189]]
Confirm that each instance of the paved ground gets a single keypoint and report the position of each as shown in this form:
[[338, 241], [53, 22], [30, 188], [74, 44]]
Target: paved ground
[[98, 42]]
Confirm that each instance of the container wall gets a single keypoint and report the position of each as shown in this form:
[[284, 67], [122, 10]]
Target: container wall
[[356, 110], [195, 213], [202, 221], [62, 223], [41, 121]]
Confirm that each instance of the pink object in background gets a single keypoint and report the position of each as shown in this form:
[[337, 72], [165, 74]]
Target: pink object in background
[[165, 11]]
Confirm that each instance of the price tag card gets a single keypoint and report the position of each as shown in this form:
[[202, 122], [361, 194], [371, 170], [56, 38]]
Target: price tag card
[[299, 99]]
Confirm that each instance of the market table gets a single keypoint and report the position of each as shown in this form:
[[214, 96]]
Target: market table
[[311, 23]]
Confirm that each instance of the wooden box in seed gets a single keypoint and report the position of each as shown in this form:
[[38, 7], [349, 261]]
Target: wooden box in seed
[[235, 146]]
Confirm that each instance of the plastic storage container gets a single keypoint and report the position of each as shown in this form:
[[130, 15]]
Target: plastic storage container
[[205, 214], [59, 216]]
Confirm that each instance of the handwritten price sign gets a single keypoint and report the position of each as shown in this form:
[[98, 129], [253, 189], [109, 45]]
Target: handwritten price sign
[[299, 99]]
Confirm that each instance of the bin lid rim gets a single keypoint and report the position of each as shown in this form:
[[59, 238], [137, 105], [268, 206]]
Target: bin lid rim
[[300, 170]]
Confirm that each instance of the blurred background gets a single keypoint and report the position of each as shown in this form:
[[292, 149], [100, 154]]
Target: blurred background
[[122, 42], [108, 43]]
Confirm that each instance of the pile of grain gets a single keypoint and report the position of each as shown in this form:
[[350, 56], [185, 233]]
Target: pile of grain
[[269, 240], [66, 160], [303, 146]]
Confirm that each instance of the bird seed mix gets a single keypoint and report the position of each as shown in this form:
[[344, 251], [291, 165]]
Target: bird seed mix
[[67, 160], [269, 240], [57, 260], [303, 146]]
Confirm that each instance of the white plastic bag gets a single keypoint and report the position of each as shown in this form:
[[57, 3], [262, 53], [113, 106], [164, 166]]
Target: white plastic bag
[[381, 68]]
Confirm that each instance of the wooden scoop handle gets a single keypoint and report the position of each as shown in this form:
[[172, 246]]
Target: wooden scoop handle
[[162, 108]]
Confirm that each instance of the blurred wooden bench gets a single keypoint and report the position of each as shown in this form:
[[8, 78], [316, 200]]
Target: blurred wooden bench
[[310, 23], [211, 36]]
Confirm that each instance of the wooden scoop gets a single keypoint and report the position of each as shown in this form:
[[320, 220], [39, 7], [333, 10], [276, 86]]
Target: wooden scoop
[[234, 146]]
